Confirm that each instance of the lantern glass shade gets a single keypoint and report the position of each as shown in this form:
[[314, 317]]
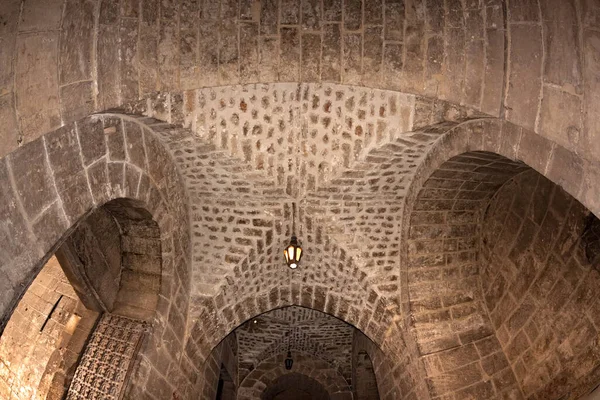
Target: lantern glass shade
[[288, 361], [293, 253]]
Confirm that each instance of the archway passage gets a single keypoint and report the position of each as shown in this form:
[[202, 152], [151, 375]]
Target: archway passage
[[320, 347], [502, 270], [295, 386]]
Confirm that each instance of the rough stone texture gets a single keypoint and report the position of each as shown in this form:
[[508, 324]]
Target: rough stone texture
[[538, 276], [364, 377], [448, 50], [299, 330], [354, 159], [91, 174], [40, 347], [271, 375]]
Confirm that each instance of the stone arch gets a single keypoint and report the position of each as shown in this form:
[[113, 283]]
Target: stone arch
[[113, 260], [366, 369], [459, 175], [57, 180], [269, 371]]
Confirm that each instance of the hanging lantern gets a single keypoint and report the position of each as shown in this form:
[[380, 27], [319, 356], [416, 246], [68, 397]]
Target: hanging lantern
[[293, 252], [288, 361]]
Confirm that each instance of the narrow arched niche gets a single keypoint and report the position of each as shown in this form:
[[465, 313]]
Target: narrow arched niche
[[113, 260]]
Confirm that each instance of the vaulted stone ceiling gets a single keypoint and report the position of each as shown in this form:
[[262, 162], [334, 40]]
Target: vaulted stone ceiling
[[226, 112], [299, 330]]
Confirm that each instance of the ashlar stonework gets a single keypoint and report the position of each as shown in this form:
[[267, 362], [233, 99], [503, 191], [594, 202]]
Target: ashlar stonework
[[442, 156]]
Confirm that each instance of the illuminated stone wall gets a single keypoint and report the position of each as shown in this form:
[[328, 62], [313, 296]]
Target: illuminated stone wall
[[43, 340]]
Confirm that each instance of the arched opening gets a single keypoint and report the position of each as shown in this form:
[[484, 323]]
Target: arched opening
[[502, 269], [105, 276], [295, 386], [319, 345]]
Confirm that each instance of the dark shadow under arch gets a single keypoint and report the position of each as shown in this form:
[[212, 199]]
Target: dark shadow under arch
[[295, 386]]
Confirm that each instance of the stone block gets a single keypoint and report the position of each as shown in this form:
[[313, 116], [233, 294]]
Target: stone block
[[208, 59], [37, 84], [353, 15], [76, 42], [76, 101], [290, 51], [107, 68], [566, 170], [524, 81], [590, 191], [331, 53], [269, 17], [128, 57], [98, 178], [311, 57], [50, 227], [249, 53], [454, 380], [268, 58], [32, 177], [332, 10], [534, 151], [148, 59], [451, 86], [8, 125], [373, 55], [524, 12], [494, 68], [560, 118], [311, 15], [14, 235], [8, 38], [91, 139], [41, 16], [562, 65], [591, 144], [75, 194]]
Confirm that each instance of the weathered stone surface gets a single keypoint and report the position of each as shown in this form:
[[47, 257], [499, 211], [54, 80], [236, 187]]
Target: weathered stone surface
[[592, 85], [76, 43], [76, 100], [92, 140], [15, 231], [561, 117], [32, 177], [41, 16], [524, 81], [8, 125], [37, 84]]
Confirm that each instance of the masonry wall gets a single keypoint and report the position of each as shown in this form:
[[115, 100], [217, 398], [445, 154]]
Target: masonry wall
[[364, 379], [62, 60], [224, 355], [41, 345], [539, 273]]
